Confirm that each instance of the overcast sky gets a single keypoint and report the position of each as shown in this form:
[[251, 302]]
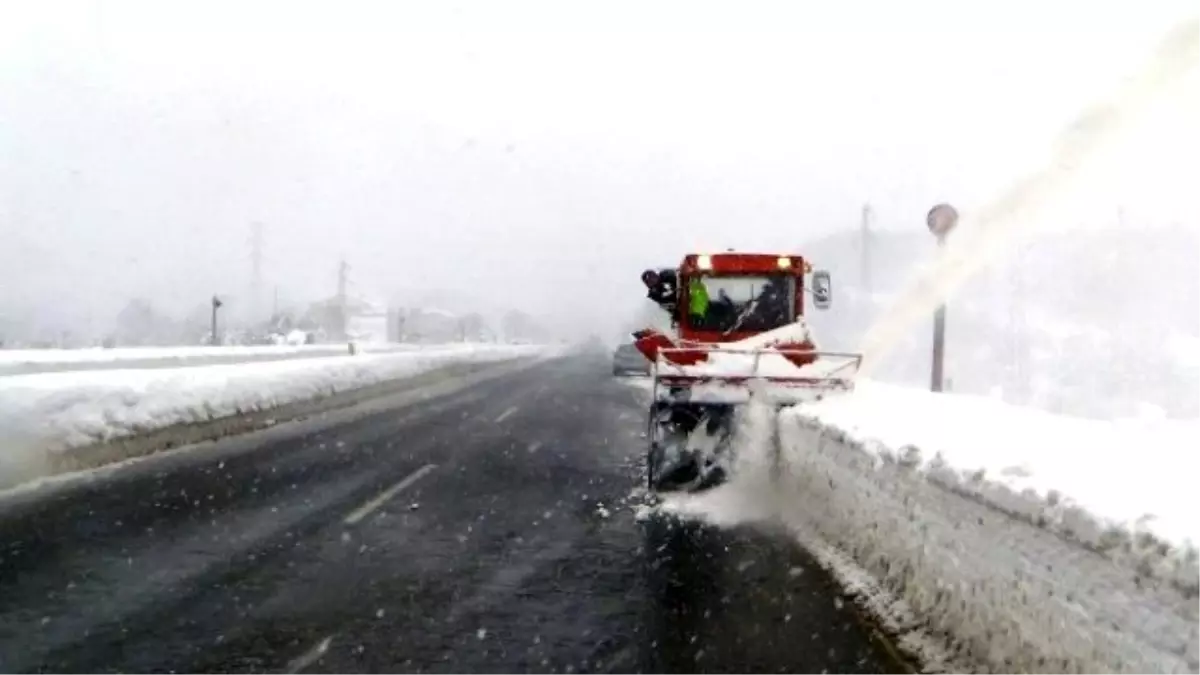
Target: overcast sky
[[528, 154]]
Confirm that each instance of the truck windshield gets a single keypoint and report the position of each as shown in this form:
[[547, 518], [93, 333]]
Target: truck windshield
[[741, 303]]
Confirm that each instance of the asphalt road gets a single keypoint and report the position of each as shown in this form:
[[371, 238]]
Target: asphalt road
[[484, 529]]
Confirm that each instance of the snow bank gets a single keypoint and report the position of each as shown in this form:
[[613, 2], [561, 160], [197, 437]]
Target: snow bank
[[1029, 541], [1125, 487], [998, 593], [27, 361], [50, 413]]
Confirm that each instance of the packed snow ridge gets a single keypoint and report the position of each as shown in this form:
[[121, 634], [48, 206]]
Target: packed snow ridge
[[1124, 488], [48, 413], [29, 361], [1025, 541]]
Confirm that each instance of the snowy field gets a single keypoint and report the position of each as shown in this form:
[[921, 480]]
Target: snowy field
[[1026, 541], [48, 413], [28, 361]]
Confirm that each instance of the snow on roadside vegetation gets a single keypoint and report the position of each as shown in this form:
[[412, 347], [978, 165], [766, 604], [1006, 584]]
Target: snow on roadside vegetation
[[50, 412], [28, 361]]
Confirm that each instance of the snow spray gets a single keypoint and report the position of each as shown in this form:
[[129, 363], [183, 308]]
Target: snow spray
[[1012, 218], [754, 442], [749, 496]]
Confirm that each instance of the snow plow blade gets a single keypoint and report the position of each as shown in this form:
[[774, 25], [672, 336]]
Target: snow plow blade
[[692, 415], [725, 381]]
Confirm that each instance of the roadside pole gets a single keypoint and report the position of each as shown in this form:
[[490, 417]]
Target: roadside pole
[[941, 219], [216, 304]]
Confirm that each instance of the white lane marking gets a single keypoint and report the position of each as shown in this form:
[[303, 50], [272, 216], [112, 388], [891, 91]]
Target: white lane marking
[[505, 415], [366, 509], [307, 658]]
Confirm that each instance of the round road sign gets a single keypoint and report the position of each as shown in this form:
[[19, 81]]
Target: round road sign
[[941, 219]]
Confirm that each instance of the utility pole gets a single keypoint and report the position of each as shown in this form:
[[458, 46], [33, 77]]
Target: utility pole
[[216, 304], [939, 346], [941, 219], [865, 250]]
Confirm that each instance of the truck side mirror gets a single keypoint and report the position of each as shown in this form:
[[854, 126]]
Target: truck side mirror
[[822, 289]]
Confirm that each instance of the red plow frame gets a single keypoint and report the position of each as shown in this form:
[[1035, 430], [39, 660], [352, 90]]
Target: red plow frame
[[812, 377]]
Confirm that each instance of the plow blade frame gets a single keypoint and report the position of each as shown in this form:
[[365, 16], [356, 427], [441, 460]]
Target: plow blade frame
[[839, 377]]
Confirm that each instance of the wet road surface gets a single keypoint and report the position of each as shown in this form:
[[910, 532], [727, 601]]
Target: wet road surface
[[488, 528]]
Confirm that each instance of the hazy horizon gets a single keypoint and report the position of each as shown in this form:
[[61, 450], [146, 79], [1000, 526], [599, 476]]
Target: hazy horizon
[[526, 155]]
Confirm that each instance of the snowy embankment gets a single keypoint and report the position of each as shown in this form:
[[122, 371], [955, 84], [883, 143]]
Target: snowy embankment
[[53, 422], [1126, 488], [29, 361], [1023, 541]]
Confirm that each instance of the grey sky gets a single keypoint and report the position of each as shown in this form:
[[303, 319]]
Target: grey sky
[[516, 149]]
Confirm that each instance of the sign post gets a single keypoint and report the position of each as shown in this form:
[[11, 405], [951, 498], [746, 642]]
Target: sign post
[[941, 220], [216, 304]]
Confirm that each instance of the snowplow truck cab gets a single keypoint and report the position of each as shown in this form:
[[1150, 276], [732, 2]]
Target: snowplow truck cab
[[738, 318]]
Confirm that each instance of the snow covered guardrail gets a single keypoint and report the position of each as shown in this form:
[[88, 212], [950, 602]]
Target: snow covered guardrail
[[29, 361], [56, 422], [1030, 541]]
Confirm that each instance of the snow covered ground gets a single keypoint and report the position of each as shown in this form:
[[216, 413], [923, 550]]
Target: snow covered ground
[[1022, 540], [27, 361], [47, 413], [1086, 479]]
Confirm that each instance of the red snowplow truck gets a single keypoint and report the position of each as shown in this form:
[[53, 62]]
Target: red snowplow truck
[[738, 325]]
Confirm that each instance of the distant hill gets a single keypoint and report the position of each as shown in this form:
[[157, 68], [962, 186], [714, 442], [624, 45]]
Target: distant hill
[[1102, 323]]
